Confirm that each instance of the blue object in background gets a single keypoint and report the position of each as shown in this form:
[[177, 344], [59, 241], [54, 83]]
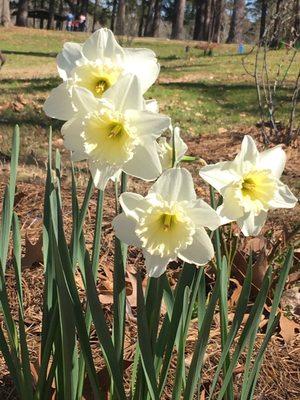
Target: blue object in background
[[241, 49]]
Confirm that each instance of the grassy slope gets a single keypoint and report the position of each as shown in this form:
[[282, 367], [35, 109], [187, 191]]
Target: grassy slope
[[202, 94]]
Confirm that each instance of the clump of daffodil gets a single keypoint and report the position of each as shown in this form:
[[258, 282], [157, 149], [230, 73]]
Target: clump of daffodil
[[168, 223], [166, 148], [115, 133], [96, 65], [250, 186]]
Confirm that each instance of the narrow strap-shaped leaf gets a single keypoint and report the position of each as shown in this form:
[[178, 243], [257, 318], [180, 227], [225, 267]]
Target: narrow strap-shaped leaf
[[166, 343], [103, 332], [254, 316], [197, 361], [145, 342], [253, 373], [236, 323]]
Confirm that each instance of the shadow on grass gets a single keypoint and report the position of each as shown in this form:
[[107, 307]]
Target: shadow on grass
[[30, 53], [15, 86], [239, 98]]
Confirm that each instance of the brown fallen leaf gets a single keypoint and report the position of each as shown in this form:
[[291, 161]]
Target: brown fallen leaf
[[33, 253], [289, 328]]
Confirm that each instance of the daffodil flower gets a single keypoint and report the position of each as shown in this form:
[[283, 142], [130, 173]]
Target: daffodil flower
[[115, 133], [96, 65], [165, 149], [250, 186], [168, 223]]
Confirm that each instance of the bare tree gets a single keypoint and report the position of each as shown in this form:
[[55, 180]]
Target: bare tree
[[218, 14], [142, 17], [149, 19], [95, 14], [235, 34], [199, 20], [4, 13], [263, 18], [51, 11], [120, 27], [178, 19], [22, 14], [113, 15], [156, 18], [276, 27]]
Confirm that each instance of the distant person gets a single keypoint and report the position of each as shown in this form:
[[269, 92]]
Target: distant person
[[82, 23], [70, 19], [241, 49]]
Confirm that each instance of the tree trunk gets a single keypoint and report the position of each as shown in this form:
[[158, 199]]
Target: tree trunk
[[199, 20], [275, 37], [235, 34], [149, 19], [50, 22], [120, 28], [59, 22], [218, 14], [263, 17], [22, 14], [297, 19], [156, 19], [95, 14], [178, 19], [141, 23], [42, 19], [207, 16], [84, 7], [4, 13], [113, 15]]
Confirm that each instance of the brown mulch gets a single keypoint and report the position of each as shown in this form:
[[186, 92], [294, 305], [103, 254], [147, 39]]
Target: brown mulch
[[280, 373]]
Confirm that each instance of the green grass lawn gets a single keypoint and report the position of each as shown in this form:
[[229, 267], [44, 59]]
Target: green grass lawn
[[202, 94]]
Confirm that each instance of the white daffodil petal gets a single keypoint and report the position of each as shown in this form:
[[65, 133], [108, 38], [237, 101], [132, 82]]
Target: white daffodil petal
[[124, 228], [155, 265], [180, 145], [142, 63], [84, 101], [73, 140], [152, 106], [66, 60], [102, 45], [145, 162], [251, 224], [203, 215], [126, 94], [148, 123], [248, 151], [200, 251], [59, 103], [132, 204], [283, 197], [273, 159], [101, 174], [175, 184], [223, 216], [219, 175]]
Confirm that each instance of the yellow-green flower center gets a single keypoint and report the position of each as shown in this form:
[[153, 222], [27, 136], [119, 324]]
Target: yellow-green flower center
[[257, 189], [109, 138], [165, 229], [97, 78], [101, 86]]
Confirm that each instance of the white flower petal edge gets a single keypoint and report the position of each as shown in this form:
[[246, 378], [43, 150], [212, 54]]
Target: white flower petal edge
[[97, 65], [250, 186], [115, 133], [165, 149], [168, 223]]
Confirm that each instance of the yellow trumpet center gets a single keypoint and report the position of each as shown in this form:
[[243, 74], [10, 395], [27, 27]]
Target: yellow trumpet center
[[101, 86], [97, 78], [168, 221], [164, 229], [109, 138]]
